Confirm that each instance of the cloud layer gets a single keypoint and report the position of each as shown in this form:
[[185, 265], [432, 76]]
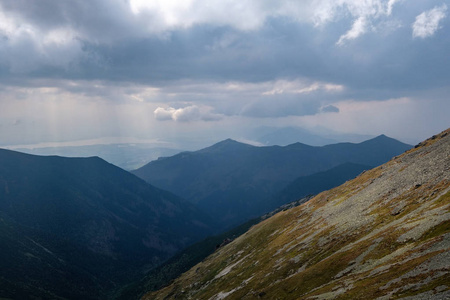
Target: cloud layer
[[156, 68]]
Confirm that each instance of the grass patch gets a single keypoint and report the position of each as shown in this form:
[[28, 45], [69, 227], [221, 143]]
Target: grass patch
[[440, 281], [437, 230]]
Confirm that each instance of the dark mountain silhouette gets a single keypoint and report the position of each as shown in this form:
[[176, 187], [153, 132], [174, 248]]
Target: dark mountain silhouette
[[235, 181], [125, 156], [115, 224]]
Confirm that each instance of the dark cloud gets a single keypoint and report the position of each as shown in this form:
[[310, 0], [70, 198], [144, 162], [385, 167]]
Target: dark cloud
[[96, 21], [281, 106], [111, 43], [330, 108]]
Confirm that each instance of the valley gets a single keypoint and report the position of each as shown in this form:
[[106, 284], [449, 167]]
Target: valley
[[120, 237]]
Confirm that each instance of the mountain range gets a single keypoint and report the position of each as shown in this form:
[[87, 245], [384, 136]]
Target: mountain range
[[81, 227], [284, 136], [383, 235], [234, 182], [106, 233]]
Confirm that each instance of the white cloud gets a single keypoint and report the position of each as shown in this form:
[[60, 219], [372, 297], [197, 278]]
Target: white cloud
[[169, 14], [390, 5], [186, 114], [358, 28], [164, 114], [299, 87], [252, 14], [427, 23]]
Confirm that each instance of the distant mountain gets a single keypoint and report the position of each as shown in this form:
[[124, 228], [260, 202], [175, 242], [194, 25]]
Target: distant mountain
[[317, 182], [233, 181], [289, 135], [382, 235], [126, 156], [87, 219]]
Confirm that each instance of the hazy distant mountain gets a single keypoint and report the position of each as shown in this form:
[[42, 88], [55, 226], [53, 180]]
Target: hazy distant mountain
[[383, 235], [126, 156], [233, 181], [87, 220], [289, 135]]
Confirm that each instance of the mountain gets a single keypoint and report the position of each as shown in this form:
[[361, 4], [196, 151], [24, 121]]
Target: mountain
[[39, 265], [318, 182], [95, 223], [382, 235], [126, 156], [289, 135], [233, 181]]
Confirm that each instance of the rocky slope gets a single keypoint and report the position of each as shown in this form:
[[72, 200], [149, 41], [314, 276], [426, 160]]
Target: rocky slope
[[385, 235]]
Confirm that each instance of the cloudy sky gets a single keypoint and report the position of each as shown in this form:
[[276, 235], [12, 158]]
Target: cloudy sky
[[169, 70]]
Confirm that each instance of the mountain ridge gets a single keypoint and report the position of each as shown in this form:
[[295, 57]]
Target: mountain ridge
[[384, 234], [234, 181]]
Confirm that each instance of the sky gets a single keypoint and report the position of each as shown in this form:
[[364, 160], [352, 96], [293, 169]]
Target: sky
[[172, 72]]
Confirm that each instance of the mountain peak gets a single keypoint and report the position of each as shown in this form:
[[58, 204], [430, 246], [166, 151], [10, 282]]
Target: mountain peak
[[226, 145], [382, 138], [228, 141]]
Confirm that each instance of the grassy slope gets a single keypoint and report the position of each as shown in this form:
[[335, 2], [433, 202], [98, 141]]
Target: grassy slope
[[384, 234]]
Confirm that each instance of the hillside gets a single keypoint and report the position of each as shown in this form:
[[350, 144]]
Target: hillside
[[102, 225], [384, 234], [234, 181]]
